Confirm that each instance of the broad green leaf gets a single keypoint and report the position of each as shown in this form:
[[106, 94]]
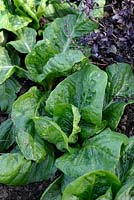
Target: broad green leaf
[[9, 21], [23, 110], [126, 192], [53, 192], [83, 90], [52, 57], [27, 7], [106, 196], [120, 81], [109, 143], [119, 92], [63, 115], [43, 170], [21, 175], [12, 165], [54, 8], [59, 65], [26, 107], [129, 161], [14, 57], [6, 68], [128, 169], [126, 166], [13, 22], [51, 132], [41, 8], [30, 144], [7, 135], [32, 4], [113, 113], [25, 41], [8, 91], [65, 181], [89, 130], [91, 185], [48, 65], [38, 58], [22, 73], [37, 171], [15, 170], [101, 152], [67, 117], [62, 31]]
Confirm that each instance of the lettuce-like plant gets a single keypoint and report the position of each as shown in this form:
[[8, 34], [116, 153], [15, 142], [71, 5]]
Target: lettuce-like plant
[[69, 125]]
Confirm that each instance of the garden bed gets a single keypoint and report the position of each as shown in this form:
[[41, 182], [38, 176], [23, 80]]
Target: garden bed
[[109, 45], [35, 190]]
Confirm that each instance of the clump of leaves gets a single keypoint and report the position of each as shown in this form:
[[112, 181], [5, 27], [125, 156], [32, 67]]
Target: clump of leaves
[[69, 125], [114, 40]]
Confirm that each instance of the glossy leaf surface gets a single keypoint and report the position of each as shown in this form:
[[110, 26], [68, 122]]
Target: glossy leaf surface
[[83, 90], [24, 109], [8, 91], [101, 152], [25, 41], [6, 67], [91, 185]]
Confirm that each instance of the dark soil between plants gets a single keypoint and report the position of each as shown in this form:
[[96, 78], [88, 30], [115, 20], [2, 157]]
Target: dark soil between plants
[[29, 192]]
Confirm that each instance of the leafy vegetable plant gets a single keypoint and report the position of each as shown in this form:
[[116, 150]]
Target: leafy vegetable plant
[[67, 120]]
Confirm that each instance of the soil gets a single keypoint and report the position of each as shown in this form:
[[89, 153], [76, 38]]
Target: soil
[[126, 125], [28, 192]]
